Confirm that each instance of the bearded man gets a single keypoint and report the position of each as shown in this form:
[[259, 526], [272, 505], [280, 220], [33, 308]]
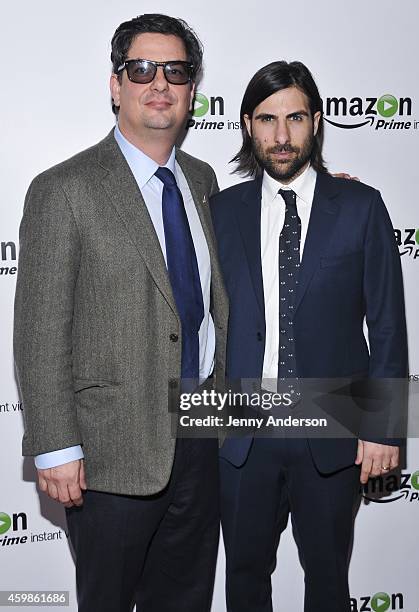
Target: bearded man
[[306, 258]]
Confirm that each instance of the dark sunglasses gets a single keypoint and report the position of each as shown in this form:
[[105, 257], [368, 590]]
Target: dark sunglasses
[[143, 71]]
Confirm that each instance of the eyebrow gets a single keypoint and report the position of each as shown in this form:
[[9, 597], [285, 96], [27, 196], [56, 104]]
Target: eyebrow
[[267, 115]]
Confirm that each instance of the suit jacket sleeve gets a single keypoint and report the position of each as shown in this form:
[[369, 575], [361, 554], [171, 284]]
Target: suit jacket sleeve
[[47, 277], [384, 417]]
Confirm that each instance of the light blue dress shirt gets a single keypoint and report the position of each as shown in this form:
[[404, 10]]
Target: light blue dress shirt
[[143, 168]]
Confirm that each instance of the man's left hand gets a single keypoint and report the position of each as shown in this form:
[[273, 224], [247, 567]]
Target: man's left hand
[[376, 459], [345, 176]]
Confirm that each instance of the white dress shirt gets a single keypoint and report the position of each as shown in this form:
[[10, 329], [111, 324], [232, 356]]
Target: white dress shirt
[[271, 223], [143, 168]]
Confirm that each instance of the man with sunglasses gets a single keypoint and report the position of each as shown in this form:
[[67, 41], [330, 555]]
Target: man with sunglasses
[[117, 265]]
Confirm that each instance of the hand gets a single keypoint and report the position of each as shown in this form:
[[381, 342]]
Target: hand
[[64, 483], [345, 176], [374, 458]]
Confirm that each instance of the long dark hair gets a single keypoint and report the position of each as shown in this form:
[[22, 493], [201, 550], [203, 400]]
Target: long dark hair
[[267, 81]]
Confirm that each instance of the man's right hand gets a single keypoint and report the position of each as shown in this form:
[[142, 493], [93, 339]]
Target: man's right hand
[[64, 483]]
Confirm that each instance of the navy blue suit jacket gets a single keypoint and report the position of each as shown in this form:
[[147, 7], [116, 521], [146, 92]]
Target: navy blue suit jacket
[[350, 270]]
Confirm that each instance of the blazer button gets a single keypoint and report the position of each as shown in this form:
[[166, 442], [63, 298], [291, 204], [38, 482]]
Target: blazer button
[[259, 336], [174, 337]]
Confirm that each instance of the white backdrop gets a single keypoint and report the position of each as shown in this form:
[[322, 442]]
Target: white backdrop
[[55, 102]]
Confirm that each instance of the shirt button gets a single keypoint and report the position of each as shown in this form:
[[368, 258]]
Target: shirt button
[[174, 337]]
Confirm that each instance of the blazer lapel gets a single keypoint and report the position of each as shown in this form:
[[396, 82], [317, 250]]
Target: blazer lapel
[[201, 199], [125, 196], [248, 218], [324, 214]]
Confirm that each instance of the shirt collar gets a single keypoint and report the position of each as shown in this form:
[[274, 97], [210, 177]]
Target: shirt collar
[[142, 166], [303, 186]]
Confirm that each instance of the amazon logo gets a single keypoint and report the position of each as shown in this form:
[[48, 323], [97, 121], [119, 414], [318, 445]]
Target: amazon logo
[[356, 112], [380, 602], [392, 488]]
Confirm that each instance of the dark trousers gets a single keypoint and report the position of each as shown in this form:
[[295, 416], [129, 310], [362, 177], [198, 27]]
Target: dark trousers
[[279, 478], [158, 552]]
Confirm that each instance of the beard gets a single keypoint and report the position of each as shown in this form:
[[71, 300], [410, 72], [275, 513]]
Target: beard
[[283, 170]]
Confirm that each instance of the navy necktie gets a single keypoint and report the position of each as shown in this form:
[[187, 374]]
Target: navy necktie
[[183, 271], [289, 263]]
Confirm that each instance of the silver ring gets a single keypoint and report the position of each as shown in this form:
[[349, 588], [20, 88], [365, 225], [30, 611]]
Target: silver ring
[[386, 469]]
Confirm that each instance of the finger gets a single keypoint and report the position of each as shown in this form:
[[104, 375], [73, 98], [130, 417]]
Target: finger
[[63, 494], [75, 494], [365, 470], [377, 460], [386, 462], [393, 463], [377, 467], [43, 485], [359, 453], [394, 458], [52, 490], [83, 484]]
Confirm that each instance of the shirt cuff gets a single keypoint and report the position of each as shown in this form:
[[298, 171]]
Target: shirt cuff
[[58, 457]]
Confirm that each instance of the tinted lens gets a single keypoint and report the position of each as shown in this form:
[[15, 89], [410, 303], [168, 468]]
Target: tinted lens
[[141, 71], [177, 73]]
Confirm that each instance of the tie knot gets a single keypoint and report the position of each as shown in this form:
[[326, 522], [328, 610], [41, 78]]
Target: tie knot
[[289, 196], [166, 176]]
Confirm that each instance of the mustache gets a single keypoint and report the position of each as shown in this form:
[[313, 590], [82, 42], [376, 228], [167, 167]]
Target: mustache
[[286, 148]]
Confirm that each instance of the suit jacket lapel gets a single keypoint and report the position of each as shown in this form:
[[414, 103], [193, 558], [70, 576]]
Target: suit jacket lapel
[[126, 198], [324, 213], [248, 218], [201, 199]]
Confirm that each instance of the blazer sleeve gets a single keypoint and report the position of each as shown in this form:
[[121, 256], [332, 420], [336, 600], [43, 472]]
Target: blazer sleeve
[[48, 267], [385, 411]]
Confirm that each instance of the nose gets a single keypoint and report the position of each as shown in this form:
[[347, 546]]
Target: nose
[[159, 83], [282, 134]]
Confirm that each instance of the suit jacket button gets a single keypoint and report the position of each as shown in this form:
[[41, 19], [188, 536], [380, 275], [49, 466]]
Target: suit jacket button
[[259, 336], [174, 337]]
